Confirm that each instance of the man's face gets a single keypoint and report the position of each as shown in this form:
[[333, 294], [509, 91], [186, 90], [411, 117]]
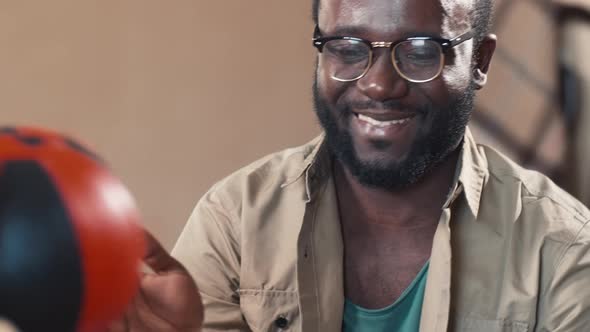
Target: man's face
[[387, 131]]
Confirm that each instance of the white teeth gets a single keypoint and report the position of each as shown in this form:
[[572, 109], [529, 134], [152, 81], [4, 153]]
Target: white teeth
[[378, 123]]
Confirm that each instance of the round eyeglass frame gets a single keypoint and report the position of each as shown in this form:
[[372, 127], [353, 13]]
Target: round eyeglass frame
[[444, 46]]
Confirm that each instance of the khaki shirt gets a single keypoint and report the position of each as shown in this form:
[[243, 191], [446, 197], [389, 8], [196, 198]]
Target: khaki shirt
[[511, 251]]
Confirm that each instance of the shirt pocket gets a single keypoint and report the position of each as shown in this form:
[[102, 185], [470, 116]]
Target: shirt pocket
[[490, 325], [270, 310]]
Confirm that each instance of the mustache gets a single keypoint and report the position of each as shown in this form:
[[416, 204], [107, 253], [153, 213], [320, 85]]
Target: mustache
[[388, 105]]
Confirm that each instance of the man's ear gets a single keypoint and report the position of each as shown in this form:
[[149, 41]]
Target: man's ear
[[484, 58]]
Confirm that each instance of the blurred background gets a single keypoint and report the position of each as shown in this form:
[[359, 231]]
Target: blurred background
[[177, 95]]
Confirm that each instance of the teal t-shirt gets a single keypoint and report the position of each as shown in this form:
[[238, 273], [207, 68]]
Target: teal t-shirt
[[401, 316]]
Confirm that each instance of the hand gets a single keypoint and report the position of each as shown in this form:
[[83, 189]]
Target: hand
[[167, 300]]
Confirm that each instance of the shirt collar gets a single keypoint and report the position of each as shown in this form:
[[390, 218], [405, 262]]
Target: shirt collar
[[472, 170], [315, 167], [470, 175]]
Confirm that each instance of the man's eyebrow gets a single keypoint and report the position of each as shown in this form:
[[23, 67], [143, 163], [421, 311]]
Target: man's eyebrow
[[359, 31], [351, 31]]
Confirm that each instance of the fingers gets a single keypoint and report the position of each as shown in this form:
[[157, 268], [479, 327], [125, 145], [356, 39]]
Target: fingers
[[157, 258]]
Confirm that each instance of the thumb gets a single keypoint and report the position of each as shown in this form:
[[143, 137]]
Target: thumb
[[158, 259]]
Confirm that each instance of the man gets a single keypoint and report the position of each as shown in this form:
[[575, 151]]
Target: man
[[395, 220]]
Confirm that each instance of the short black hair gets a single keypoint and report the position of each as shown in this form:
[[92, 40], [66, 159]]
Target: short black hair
[[482, 19]]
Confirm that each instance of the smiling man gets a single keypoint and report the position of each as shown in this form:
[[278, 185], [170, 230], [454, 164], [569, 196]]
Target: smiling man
[[394, 219]]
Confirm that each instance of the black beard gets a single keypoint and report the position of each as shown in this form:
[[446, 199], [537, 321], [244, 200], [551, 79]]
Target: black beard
[[428, 150]]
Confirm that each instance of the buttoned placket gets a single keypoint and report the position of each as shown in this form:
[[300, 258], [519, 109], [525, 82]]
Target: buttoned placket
[[306, 274], [437, 297]]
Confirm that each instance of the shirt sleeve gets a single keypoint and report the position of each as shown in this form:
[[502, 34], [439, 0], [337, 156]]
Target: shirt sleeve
[[565, 305], [209, 249]]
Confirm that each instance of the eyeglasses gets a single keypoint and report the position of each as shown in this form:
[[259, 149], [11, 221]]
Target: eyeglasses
[[416, 59]]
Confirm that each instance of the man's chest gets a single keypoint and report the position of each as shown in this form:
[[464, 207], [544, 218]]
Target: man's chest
[[378, 270], [487, 277]]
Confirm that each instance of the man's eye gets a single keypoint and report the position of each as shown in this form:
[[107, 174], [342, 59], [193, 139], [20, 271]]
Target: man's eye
[[421, 57], [348, 53]]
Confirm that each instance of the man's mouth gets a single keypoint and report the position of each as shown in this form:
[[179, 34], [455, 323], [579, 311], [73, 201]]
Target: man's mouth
[[383, 120], [399, 127]]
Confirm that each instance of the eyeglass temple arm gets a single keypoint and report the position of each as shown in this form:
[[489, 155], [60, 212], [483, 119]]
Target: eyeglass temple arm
[[463, 38], [317, 35]]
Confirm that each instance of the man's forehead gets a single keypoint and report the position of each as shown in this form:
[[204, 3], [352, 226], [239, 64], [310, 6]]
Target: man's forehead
[[388, 15]]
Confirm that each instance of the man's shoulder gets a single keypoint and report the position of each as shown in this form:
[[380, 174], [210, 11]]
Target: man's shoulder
[[539, 199], [266, 174]]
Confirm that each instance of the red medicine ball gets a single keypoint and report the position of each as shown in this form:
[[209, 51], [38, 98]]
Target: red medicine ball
[[70, 241]]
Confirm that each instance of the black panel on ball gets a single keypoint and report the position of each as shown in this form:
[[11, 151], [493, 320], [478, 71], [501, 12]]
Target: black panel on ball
[[40, 268]]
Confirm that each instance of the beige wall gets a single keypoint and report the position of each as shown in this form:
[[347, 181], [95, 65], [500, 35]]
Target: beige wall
[[174, 94]]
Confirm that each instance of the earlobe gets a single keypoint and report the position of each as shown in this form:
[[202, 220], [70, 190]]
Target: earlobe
[[479, 78]]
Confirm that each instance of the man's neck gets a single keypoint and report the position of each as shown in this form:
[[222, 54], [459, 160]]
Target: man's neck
[[409, 207]]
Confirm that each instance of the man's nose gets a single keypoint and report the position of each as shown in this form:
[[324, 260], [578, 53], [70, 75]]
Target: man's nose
[[382, 82]]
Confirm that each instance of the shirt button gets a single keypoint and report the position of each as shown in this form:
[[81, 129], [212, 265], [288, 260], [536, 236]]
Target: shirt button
[[281, 322]]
